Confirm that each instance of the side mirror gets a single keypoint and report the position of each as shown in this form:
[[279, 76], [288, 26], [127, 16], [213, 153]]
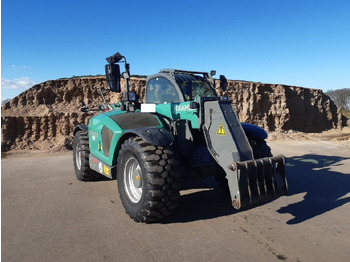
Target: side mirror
[[114, 58], [223, 82], [113, 77]]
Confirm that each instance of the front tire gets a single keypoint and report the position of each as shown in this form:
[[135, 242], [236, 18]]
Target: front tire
[[148, 183], [260, 148], [81, 153]]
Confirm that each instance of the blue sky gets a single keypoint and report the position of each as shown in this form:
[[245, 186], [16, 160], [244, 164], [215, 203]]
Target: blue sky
[[295, 42]]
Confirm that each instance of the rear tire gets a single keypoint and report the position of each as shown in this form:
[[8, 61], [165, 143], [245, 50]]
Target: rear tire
[[81, 153], [148, 183]]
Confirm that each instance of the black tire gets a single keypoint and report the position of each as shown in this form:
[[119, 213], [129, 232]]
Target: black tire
[[81, 158], [148, 183], [260, 148]]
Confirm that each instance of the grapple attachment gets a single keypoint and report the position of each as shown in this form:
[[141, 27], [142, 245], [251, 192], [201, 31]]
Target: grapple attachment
[[258, 181], [251, 181]]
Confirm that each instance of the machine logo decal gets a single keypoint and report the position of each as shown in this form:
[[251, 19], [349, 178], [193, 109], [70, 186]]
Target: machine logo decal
[[182, 107], [221, 130]]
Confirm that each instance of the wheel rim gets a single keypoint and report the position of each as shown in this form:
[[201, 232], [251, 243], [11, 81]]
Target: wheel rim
[[78, 156], [133, 180]]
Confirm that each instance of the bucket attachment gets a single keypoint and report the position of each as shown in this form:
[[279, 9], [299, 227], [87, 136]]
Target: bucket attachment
[[257, 181]]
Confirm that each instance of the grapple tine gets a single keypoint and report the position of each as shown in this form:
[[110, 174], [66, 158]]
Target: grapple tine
[[273, 180], [243, 186], [253, 185], [248, 182], [262, 182]]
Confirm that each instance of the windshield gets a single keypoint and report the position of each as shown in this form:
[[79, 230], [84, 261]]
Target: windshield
[[194, 85]]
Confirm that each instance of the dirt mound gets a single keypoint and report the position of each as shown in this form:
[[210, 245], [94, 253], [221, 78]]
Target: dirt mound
[[44, 116], [280, 107]]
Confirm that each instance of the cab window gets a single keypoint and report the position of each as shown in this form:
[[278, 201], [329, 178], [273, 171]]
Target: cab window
[[194, 85], [160, 90]]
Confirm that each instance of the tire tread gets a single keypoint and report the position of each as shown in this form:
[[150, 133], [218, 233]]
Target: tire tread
[[161, 192]]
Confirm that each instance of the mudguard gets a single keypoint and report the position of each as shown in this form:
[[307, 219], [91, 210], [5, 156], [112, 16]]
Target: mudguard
[[108, 131], [254, 131], [80, 127], [154, 135]]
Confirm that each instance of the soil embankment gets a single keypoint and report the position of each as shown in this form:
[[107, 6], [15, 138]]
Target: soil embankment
[[44, 116]]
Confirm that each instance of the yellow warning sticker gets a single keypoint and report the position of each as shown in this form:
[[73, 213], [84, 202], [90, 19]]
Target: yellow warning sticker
[[221, 130], [106, 170]]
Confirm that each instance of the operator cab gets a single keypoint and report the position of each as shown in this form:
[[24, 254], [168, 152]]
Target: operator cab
[[175, 86]]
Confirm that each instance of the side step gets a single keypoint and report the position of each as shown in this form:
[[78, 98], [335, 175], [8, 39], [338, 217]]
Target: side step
[[259, 181]]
